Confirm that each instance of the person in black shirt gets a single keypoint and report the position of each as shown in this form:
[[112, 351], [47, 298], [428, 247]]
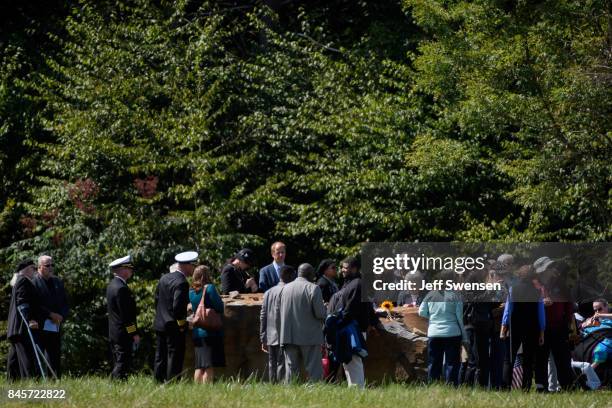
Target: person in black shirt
[[53, 309], [21, 359], [171, 299], [122, 329], [234, 276], [348, 299]]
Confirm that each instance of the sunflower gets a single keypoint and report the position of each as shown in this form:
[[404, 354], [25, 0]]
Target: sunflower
[[387, 305]]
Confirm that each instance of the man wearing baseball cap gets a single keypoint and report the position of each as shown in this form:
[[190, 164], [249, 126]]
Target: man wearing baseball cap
[[171, 299], [234, 276], [122, 329]]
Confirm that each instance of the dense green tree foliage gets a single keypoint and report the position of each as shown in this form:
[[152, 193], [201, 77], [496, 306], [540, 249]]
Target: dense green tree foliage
[[529, 84], [154, 127]]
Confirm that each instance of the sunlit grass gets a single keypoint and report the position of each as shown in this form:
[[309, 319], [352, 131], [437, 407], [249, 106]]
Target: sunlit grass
[[100, 392]]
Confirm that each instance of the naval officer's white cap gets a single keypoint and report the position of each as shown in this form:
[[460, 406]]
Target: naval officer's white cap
[[186, 257], [125, 262]]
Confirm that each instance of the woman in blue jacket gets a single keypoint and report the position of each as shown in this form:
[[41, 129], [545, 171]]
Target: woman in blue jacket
[[445, 333]]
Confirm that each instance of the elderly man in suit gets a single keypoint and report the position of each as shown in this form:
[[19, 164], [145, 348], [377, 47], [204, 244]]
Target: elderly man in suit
[[269, 327], [269, 275], [302, 313], [53, 309]]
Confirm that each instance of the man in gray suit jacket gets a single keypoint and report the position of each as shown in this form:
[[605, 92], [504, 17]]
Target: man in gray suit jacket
[[269, 325], [302, 313]]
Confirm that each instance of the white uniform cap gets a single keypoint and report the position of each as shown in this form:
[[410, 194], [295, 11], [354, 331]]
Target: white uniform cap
[[186, 257], [125, 261]]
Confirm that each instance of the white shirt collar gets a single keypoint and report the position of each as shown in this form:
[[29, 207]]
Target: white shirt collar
[[123, 280]]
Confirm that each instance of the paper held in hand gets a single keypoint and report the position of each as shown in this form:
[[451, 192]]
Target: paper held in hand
[[50, 326]]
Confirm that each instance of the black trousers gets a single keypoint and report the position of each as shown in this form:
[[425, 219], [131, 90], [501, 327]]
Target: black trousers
[[479, 362], [21, 360], [169, 355], [122, 359], [51, 344], [557, 343], [528, 337], [481, 352], [507, 365]]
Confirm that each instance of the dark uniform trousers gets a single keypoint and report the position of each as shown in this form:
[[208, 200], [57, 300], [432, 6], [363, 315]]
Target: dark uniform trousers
[[169, 354], [122, 358]]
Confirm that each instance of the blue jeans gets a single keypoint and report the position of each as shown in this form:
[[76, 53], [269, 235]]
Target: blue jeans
[[444, 351]]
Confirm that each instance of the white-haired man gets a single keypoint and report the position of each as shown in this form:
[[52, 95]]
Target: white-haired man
[[54, 310]]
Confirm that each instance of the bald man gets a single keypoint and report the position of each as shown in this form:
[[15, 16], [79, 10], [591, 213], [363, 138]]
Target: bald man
[[301, 313]]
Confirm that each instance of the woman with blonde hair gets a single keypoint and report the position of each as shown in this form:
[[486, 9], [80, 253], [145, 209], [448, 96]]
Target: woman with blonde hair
[[208, 345]]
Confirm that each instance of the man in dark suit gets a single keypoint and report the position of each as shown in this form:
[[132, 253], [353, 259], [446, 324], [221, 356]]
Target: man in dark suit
[[21, 360], [122, 329], [269, 275], [171, 299], [327, 272], [53, 311]]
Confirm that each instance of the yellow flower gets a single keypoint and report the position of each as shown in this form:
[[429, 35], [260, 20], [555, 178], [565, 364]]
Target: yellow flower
[[387, 305]]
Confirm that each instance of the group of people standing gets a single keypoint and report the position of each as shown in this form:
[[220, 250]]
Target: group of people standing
[[310, 322], [529, 332], [295, 306], [294, 313], [172, 298]]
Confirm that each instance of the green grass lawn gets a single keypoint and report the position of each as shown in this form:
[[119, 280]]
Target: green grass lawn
[[99, 392]]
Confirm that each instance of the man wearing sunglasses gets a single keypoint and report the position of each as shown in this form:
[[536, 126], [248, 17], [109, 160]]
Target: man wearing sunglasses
[[54, 310]]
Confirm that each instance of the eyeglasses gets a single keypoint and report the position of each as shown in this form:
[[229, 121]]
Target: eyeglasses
[[48, 265]]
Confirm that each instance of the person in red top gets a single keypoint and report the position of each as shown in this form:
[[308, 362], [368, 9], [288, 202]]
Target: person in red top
[[559, 318]]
